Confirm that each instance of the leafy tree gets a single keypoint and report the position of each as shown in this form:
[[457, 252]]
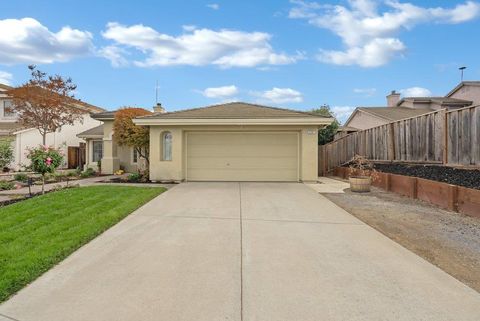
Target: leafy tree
[[126, 133], [44, 102], [326, 134], [6, 153], [43, 160]]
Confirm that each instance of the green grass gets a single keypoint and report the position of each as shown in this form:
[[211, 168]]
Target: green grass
[[38, 233]]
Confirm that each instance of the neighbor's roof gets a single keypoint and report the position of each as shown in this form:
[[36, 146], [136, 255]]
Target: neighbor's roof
[[460, 85], [234, 110], [347, 129], [438, 100], [92, 132], [75, 102], [394, 113], [107, 115], [8, 128]]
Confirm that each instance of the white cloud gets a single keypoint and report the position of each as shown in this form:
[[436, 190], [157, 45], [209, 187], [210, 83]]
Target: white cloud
[[370, 35], [198, 47], [115, 55], [220, 92], [367, 92], [189, 27], [28, 41], [279, 96], [214, 6], [416, 92], [5, 78], [342, 112]]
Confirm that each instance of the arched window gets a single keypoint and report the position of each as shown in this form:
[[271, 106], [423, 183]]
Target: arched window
[[167, 146]]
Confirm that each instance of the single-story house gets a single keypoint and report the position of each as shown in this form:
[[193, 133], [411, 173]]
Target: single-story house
[[65, 138], [465, 94], [227, 142]]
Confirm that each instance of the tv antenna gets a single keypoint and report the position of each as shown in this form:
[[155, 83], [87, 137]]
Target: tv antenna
[[461, 72]]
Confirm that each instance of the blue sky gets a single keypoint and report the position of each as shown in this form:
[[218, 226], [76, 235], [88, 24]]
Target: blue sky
[[295, 54]]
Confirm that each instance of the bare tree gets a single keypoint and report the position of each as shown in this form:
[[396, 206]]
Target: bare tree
[[45, 102]]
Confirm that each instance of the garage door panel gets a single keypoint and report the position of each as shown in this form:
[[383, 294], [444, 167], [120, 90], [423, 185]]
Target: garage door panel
[[243, 175], [242, 156], [243, 163]]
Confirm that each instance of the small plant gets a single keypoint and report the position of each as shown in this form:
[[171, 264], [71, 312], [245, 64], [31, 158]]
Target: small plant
[[99, 166], [72, 173], [134, 177], [4, 185], [21, 177], [361, 166], [89, 172]]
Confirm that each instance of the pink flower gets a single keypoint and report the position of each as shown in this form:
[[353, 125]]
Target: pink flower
[[48, 161]]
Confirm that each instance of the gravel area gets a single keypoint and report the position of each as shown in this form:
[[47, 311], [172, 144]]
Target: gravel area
[[457, 176], [448, 240]]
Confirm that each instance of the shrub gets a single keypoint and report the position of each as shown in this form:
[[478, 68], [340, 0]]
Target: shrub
[[21, 177], [134, 177], [4, 185], [44, 160], [6, 153], [89, 172]]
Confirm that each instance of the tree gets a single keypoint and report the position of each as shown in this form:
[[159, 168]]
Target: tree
[[326, 134], [126, 133], [43, 160], [45, 102], [6, 153]]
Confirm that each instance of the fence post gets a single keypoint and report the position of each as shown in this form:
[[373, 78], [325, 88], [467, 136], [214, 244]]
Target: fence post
[[391, 142], [445, 137]]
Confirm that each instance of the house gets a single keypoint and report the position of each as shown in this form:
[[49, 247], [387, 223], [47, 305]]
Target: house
[[465, 94], [227, 142], [23, 138]]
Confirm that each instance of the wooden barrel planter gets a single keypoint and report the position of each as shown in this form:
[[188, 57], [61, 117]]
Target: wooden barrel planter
[[360, 184]]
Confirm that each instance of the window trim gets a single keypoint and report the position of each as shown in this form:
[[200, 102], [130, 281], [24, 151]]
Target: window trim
[[134, 151], [93, 150]]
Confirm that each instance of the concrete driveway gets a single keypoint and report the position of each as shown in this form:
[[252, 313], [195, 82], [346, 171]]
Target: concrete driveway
[[243, 251]]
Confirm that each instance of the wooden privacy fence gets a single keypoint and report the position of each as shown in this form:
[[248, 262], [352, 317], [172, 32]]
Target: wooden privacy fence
[[445, 137]]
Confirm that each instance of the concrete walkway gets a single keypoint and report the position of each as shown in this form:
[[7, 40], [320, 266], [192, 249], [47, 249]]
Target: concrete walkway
[[243, 251]]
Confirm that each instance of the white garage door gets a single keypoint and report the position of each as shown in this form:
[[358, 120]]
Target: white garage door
[[242, 156]]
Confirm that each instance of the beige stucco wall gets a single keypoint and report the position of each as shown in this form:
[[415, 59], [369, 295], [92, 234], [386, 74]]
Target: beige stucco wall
[[124, 155], [67, 136], [362, 120], [468, 93], [161, 170]]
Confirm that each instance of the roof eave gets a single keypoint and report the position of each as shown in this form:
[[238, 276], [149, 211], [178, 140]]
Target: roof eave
[[246, 121]]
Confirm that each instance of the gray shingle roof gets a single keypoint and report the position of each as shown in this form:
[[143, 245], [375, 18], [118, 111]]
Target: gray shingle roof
[[438, 100], [394, 113], [234, 110], [95, 131]]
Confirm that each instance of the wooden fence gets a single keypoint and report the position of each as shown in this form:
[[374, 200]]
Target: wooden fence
[[445, 137]]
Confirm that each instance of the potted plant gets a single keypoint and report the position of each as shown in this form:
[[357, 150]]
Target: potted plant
[[362, 173]]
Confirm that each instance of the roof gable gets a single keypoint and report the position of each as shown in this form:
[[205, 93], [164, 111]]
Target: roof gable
[[460, 85], [234, 110]]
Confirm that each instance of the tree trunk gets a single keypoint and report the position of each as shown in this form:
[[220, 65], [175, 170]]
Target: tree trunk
[[43, 183]]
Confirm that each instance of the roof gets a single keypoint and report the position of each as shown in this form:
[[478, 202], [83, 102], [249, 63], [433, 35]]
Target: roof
[[438, 100], [8, 128], [394, 113], [235, 110], [347, 129], [460, 85], [95, 132], [75, 102], [107, 115]]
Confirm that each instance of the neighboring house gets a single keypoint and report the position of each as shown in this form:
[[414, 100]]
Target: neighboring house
[[465, 94], [227, 142], [344, 131], [24, 138]]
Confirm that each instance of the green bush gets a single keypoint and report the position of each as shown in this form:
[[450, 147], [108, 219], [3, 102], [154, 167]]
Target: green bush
[[89, 172], [4, 185], [134, 177], [6, 153], [21, 177]]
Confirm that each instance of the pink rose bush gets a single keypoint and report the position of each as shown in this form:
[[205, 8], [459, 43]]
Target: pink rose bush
[[44, 159]]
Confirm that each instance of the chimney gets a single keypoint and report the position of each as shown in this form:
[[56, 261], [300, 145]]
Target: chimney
[[158, 108], [393, 99]]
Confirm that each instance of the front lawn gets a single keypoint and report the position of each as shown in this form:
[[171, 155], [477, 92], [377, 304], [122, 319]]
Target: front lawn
[[38, 233]]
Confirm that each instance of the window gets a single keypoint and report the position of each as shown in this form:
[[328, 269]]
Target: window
[[97, 148], [8, 111], [135, 156], [167, 146]]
